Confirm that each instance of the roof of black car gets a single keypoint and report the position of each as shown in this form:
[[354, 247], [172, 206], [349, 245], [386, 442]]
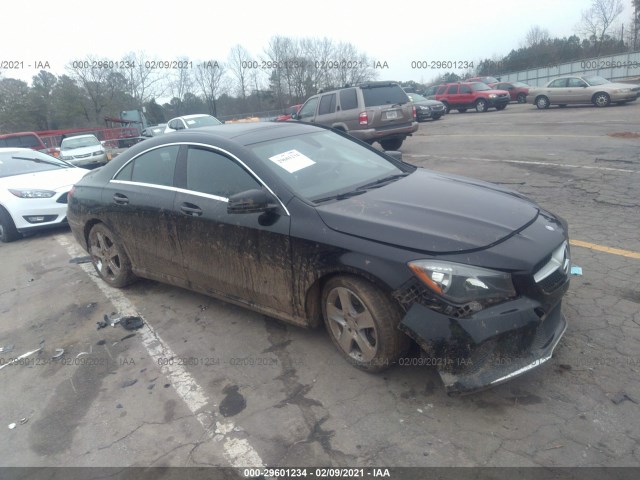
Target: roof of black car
[[247, 133]]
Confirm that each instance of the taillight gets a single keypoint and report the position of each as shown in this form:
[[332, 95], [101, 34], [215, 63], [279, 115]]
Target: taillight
[[71, 192], [414, 110], [364, 118]]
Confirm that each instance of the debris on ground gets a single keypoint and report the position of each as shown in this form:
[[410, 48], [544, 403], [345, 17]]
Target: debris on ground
[[131, 335], [12, 426], [576, 270], [24, 355], [23, 420], [6, 348], [101, 342], [620, 397], [131, 323], [79, 260], [128, 383], [58, 354]]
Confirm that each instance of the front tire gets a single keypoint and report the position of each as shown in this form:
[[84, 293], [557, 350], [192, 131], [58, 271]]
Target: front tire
[[601, 99], [8, 231], [542, 102], [109, 257], [482, 106], [391, 144], [521, 98], [362, 322]]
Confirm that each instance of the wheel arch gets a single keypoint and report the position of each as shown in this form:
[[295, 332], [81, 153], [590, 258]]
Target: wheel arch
[[95, 221], [313, 294]]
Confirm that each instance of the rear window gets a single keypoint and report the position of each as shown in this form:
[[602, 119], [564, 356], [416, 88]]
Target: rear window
[[348, 99], [384, 95]]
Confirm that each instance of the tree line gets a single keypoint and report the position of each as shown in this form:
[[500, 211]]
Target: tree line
[[286, 72]]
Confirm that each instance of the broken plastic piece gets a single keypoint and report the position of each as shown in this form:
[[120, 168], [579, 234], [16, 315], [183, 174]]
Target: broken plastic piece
[[58, 354], [104, 323], [23, 421], [6, 349], [81, 354], [576, 270], [620, 397], [24, 355], [12, 426]]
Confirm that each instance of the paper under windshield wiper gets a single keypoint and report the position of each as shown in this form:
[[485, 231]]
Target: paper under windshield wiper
[[383, 181]]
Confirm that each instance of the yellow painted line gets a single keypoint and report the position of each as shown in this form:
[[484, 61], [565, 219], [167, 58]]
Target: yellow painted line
[[602, 248]]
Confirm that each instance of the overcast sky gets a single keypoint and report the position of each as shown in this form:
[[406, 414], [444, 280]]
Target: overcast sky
[[398, 33]]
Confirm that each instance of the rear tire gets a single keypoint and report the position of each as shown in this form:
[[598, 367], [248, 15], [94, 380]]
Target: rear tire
[[447, 108], [8, 231], [391, 144], [109, 257], [521, 98], [362, 322]]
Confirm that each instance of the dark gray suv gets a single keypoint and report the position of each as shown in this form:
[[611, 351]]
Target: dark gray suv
[[373, 112]]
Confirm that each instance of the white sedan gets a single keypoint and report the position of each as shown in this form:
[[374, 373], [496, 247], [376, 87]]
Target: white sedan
[[33, 191], [191, 121]]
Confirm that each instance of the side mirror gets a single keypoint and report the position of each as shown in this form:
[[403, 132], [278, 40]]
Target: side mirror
[[294, 116], [178, 126], [251, 201]]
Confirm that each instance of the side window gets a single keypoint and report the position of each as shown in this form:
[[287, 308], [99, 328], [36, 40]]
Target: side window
[[575, 82], [327, 104], [453, 89], [465, 89], [213, 173], [558, 83], [348, 99], [155, 167], [309, 109], [442, 89]]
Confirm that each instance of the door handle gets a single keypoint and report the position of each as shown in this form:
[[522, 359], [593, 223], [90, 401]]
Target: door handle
[[191, 209], [120, 199]]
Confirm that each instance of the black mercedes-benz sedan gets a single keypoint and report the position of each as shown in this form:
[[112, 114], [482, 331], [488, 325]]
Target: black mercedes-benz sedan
[[311, 226]]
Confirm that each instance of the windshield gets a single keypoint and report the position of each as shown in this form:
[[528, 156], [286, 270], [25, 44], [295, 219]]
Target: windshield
[[79, 142], [19, 163], [595, 80], [320, 164], [204, 121], [477, 87], [520, 84]]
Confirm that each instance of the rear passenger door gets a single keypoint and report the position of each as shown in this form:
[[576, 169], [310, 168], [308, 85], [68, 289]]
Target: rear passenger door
[[348, 113], [326, 110], [139, 203]]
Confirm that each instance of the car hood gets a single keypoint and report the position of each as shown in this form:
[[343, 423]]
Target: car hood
[[428, 103], [433, 213], [47, 180]]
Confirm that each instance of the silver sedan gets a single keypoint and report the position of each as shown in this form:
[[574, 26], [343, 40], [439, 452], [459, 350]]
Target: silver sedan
[[582, 90]]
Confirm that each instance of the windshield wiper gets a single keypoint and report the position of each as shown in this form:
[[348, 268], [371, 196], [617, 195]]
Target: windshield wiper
[[340, 196], [40, 160], [383, 181]]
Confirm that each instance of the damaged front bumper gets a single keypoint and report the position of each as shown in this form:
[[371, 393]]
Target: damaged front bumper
[[489, 347]]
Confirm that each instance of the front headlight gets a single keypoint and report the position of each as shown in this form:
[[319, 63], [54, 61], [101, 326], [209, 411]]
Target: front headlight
[[492, 95], [425, 108], [66, 157], [99, 152], [31, 193], [460, 283]]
